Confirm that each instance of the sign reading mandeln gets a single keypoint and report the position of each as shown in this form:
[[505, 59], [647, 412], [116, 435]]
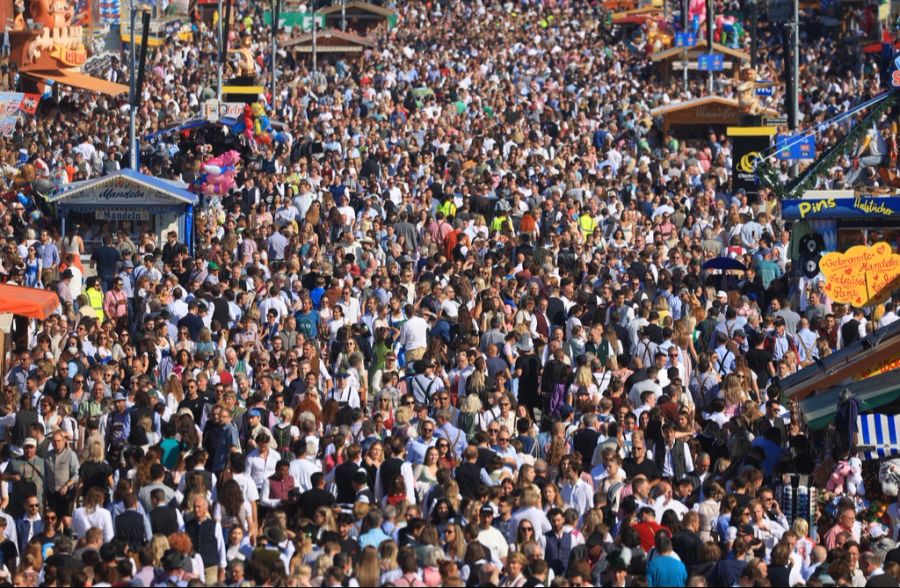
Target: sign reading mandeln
[[113, 214]]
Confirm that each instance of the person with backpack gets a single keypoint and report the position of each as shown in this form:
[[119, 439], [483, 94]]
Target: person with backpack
[[116, 426], [425, 384], [723, 357], [779, 341]]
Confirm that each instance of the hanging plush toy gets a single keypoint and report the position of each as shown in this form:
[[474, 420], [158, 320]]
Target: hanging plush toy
[[262, 128], [220, 172], [726, 31], [838, 479], [697, 15], [244, 124]]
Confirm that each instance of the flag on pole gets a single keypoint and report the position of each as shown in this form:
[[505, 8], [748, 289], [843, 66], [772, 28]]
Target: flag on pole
[[879, 435]]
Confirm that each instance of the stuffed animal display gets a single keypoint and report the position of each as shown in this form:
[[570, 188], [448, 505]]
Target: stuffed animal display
[[219, 172], [847, 478], [255, 127], [889, 477]]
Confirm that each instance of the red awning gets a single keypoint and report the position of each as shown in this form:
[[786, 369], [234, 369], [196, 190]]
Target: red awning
[[78, 80], [30, 302]]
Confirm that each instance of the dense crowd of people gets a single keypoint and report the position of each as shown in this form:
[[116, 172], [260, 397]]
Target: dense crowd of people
[[456, 331]]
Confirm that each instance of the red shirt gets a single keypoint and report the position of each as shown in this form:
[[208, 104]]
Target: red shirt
[[647, 533]]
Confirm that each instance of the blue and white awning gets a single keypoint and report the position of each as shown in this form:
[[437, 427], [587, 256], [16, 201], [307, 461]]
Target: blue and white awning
[[879, 435]]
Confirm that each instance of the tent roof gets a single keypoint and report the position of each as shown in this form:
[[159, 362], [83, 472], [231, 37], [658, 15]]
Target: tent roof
[[306, 38], [357, 5], [676, 52], [127, 177], [688, 104], [30, 302]]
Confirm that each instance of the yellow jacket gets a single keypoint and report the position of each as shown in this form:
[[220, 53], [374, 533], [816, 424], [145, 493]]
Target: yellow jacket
[[95, 298]]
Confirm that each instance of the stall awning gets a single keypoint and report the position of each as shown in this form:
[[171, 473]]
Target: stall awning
[[125, 189], [29, 302], [872, 393], [79, 81], [876, 353]]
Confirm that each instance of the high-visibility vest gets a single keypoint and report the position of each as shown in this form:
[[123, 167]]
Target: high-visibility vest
[[448, 209], [95, 298], [587, 224], [499, 223]]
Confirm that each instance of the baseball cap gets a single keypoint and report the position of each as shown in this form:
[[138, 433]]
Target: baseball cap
[[486, 509], [254, 413], [29, 442], [721, 294], [565, 410], [118, 396]]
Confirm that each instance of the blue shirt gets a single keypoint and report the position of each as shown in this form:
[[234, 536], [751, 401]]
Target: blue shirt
[[49, 255], [665, 570]]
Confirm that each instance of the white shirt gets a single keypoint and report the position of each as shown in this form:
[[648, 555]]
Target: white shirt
[[579, 496], [535, 516], [302, 470], [82, 521], [888, 318], [495, 542], [259, 468], [413, 334], [346, 394], [661, 505], [248, 486]]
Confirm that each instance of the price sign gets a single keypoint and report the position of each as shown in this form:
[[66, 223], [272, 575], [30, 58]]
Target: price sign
[[685, 39], [711, 62]]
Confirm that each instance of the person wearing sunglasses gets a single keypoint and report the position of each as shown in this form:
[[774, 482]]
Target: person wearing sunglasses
[[416, 448]]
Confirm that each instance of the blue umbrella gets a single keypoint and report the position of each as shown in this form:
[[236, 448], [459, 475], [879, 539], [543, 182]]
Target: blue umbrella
[[724, 264]]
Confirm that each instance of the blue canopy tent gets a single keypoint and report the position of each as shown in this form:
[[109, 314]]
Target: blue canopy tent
[[131, 196]]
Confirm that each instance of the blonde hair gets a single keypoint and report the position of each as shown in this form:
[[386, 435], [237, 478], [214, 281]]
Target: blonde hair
[[94, 451], [530, 498], [402, 415], [732, 390], [584, 377], [158, 546], [471, 404]]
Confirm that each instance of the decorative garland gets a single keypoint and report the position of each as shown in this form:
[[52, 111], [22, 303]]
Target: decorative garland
[[807, 180]]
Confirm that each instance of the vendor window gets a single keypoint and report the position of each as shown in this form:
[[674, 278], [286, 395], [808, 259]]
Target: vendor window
[[848, 237]]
